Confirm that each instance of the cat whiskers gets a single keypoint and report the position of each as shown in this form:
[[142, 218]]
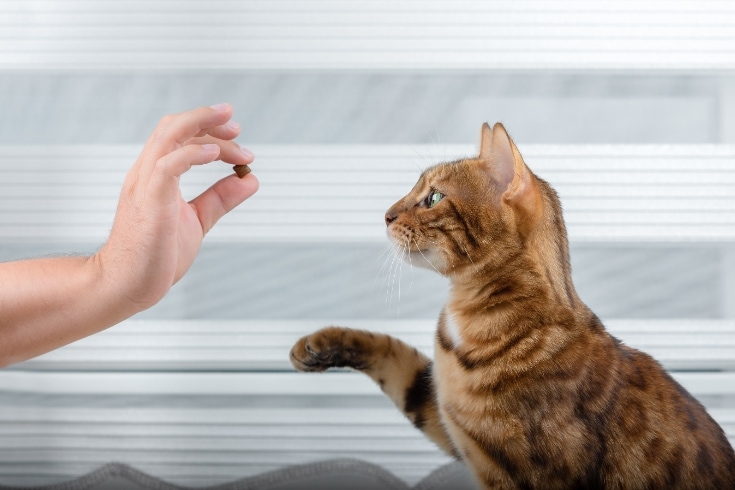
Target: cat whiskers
[[427, 162], [437, 149], [396, 273], [407, 248], [424, 256], [404, 250], [390, 276], [467, 254], [386, 255], [395, 254], [396, 257]]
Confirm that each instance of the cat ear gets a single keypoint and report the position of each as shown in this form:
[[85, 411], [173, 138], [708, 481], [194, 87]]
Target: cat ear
[[510, 171], [486, 141], [497, 151], [504, 161]]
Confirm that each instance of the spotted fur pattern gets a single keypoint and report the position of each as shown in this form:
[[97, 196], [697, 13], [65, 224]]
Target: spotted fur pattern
[[526, 386]]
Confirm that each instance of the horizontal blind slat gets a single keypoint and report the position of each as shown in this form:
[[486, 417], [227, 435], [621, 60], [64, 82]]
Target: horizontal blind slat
[[318, 193]]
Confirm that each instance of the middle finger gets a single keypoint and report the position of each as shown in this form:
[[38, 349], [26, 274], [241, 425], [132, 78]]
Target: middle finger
[[230, 152]]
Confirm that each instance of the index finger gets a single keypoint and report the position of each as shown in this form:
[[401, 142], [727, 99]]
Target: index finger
[[174, 130]]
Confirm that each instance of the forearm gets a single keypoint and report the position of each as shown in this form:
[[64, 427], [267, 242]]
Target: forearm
[[50, 302]]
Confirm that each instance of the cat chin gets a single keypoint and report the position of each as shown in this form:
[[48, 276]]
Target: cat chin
[[424, 259]]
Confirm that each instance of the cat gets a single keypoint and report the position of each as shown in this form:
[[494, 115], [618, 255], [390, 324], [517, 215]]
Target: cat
[[526, 386]]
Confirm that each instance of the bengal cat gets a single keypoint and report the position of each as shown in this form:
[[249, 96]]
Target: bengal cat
[[526, 386]]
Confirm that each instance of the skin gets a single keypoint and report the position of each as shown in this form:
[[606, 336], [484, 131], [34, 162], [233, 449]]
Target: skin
[[156, 235]]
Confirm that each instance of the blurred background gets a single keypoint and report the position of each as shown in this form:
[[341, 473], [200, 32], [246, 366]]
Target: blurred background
[[80, 75], [390, 107]]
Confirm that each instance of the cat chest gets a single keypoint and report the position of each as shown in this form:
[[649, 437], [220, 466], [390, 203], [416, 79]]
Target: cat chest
[[473, 420], [449, 334], [462, 375]]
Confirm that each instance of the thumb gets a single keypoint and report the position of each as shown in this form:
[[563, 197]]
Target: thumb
[[222, 198]]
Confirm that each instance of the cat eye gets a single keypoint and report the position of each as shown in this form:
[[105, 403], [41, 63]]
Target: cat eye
[[434, 198]]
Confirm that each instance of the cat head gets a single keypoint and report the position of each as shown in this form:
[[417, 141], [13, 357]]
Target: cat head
[[472, 211]]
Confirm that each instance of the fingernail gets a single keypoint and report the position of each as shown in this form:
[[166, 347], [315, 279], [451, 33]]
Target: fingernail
[[220, 107], [232, 125], [247, 153]]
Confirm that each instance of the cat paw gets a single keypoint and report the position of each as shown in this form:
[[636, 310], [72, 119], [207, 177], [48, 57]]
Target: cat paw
[[326, 348]]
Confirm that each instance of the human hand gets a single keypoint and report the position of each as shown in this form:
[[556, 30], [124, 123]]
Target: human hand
[[156, 234]]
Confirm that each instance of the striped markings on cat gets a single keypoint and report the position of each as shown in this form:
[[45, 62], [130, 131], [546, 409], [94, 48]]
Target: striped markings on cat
[[451, 328]]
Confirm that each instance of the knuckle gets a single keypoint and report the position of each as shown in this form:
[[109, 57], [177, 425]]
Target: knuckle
[[166, 121], [164, 128]]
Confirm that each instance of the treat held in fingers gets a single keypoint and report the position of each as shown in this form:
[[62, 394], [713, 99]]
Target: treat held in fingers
[[242, 170]]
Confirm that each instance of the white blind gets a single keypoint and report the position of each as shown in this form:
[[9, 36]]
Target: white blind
[[645, 193], [264, 345], [366, 34]]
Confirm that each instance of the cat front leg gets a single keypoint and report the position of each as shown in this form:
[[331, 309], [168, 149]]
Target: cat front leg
[[401, 371]]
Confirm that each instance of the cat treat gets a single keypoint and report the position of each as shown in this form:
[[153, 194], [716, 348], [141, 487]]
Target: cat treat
[[241, 170], [526, 385]]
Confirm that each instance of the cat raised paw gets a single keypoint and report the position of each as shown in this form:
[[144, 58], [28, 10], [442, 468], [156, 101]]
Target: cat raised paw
[[330, 347]]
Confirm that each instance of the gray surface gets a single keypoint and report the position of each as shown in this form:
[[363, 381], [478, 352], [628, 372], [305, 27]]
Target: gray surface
[[327, 475]]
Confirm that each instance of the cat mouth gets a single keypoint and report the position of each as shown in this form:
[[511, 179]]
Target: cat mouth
[[403, 236], [408, 244], [421, 258], [411, 252]]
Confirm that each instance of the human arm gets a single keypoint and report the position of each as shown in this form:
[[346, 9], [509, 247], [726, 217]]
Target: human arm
[[47, 303]]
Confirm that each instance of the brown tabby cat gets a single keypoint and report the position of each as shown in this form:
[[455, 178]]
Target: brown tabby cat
[[526, 387]]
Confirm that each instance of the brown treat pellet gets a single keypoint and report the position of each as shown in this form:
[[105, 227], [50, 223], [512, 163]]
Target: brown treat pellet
[[242, 170]]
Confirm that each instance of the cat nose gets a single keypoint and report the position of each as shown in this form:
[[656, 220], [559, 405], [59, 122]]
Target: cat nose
[[389, 218]]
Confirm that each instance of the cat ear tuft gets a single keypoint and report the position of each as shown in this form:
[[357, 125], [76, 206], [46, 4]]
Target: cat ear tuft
[[504, 161], [496, 148], [486, 141]]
